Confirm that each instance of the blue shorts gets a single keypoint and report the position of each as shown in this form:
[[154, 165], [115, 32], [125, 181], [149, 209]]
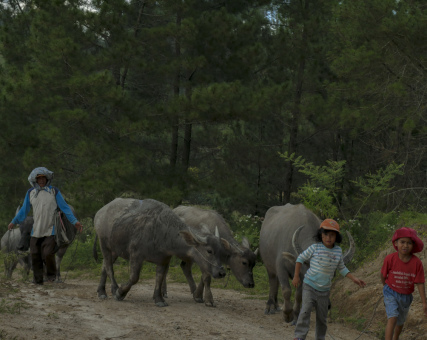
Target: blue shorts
[[396, 304]]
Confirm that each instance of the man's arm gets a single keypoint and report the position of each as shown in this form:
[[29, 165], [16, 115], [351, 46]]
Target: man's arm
[[65, 208], [22, 213]]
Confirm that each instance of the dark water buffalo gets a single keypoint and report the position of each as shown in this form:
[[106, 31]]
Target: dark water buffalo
[[285, 233], [14, 241], [148, 230], [238, 257]]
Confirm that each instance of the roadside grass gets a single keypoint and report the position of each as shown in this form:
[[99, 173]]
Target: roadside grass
[[11, 307], [5, 336]]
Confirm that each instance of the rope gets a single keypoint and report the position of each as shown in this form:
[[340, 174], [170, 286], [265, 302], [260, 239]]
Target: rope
[[72, 259], [369, 323], [204, 258], [228, 277]]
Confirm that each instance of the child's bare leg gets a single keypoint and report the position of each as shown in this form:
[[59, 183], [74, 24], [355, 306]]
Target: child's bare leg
[[397, 331], [389, 329]]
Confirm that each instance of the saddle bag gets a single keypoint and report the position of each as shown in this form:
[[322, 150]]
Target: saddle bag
[[65, 231]]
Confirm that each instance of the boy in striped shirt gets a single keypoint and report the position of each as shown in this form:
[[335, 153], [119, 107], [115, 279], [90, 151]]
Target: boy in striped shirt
[[325, 257]]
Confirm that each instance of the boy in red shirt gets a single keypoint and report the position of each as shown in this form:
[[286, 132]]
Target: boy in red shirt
[[401, 271]]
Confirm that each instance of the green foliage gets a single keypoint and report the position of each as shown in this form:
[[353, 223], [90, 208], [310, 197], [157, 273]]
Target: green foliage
[[317, 199], [374, 185], [370, 233], [79, 255], [248, 226], [320, 192]]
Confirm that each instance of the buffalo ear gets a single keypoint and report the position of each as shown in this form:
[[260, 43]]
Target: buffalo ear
[[191, 239], [290, 260], [225, 244], [289, 257]]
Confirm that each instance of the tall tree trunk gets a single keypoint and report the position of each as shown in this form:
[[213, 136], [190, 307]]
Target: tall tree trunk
[[293, 138], [187, 134], [176, 87], [296, 110], [135, 33]]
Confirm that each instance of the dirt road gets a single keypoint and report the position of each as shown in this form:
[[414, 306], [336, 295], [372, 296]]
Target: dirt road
[[72, 310]]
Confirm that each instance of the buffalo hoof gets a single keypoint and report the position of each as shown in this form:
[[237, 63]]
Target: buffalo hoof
[[271, 311], [161, 304], [118, 296], [102, 296], [198, 300], [210, 304]]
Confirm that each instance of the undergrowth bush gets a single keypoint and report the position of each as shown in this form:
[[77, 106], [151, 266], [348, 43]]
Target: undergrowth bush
[[248, 226]]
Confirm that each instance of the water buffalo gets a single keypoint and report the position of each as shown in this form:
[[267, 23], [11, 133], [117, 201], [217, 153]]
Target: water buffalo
[[238, 257], [285, 233], [148, 230], [13, 241]]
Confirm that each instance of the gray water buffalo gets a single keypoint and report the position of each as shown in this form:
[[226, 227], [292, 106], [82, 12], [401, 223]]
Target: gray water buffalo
[[285, 233], [238, 257], [148, 230], [13, 241]]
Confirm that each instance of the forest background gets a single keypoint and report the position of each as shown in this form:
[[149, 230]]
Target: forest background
[[236, 105]]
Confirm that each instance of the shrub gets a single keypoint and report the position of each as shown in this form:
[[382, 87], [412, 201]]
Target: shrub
[[248, 226]]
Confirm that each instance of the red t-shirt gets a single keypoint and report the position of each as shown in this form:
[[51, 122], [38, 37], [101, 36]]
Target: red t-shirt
[[401, 276]]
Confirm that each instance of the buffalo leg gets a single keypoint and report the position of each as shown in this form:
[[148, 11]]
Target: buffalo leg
[[297, 304], [161, 271], [186, 269], [272, 306], [25, 262], [9, 266], [135, 269], [288, 315], [198, 293], [58, 258], [102, 294], [58, 268], [208, 297], [107, 270], [164, 285]]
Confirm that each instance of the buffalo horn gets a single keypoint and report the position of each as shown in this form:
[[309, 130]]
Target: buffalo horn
[[295, 243], [217, 232], [348, 256]]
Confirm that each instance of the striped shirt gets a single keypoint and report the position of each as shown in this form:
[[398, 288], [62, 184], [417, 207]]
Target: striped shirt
[[323, 263]]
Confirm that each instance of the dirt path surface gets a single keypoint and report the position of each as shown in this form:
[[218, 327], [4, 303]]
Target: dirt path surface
[[72, 310]]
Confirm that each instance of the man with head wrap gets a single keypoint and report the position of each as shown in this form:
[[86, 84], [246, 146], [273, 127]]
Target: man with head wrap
[[44, 199]]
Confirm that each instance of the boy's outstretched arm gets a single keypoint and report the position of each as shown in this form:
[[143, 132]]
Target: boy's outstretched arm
[[357, 281], [422, 291], [296, 280]]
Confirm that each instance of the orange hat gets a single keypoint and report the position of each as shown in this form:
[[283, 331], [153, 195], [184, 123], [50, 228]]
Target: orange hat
[[40, 175], [330, 224], [410, 233]]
